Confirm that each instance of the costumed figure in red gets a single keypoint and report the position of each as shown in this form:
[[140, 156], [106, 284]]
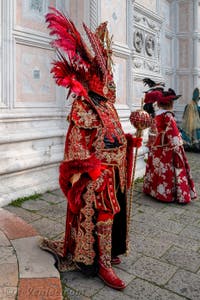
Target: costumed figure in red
[[98, 159], [168, 176]]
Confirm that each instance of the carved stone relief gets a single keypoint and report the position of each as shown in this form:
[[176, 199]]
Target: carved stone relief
[[146, 41], [138, 63], [146, 64], [150, 44], [145, 21], [138, 40], [152, 66]]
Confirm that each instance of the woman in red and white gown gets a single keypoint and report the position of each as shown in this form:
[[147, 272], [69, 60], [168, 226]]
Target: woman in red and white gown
[[168, 176]]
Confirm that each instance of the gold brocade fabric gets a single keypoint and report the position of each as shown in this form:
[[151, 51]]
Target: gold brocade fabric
[[89, 125], [84, 251]]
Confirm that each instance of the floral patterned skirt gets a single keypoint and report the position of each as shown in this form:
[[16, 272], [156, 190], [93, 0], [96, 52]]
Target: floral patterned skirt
[[168, 176]]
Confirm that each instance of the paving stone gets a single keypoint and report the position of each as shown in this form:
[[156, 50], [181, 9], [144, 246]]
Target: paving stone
[[185, 283], [3, 239], [8, 274], [171, 213], [59, 236], [61, 220], [7, 255], [149, 201], [58, 192], [150, 247], [87, 286], [143, 209], [140, 289], [40, 289], [136, 193], [191, 232], [34, 205], [197, 186], [26, 215], [138, 186], [33, 261], [14, 227], [110, 294], [128, 260], [8, 292], [142, 229], [169, 226], [162, 294], [161, 223], [188, 260], [134, 208], [152, 270], [70, 294], [48, 228], [53, 198], [125, 276], [195, 202], [178, 240], [197, 223], [174, 209], [54, 211], [187, 218]]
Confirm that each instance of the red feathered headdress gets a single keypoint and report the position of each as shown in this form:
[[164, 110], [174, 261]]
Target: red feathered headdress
[[78, 68]]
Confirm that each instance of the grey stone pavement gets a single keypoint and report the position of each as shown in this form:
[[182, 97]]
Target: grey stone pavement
[[164, 260]]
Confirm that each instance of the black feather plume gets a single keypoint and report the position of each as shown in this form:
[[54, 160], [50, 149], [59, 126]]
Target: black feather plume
[[149, 82]]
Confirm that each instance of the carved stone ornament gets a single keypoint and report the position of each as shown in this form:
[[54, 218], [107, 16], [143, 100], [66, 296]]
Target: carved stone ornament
[[150, 23], [138, 40], [150, 44], [137, 18], [137, 63], [153, 67]]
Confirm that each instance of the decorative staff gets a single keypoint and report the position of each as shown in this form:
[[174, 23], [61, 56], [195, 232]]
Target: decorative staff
[[141, 120]]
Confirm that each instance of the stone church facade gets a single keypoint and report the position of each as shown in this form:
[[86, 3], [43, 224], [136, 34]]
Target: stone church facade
[[152, 38]]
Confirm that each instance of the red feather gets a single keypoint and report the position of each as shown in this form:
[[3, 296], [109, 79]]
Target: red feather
[[68, 36], [95, 43], [64, 76]]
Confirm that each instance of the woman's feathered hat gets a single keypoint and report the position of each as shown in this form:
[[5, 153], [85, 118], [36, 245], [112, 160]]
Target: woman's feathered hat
[[79, 68], [161, 96], [153, 85], [150, 97]]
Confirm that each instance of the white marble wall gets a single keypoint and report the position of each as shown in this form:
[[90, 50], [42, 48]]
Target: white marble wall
[[146, 58], [176, 25], [32, 115]]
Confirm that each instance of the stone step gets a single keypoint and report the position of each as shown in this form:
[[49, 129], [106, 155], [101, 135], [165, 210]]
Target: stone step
[[25, 269]]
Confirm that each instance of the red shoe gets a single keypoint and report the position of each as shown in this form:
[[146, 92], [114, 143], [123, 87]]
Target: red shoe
[[110, 278], [115, 260]]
